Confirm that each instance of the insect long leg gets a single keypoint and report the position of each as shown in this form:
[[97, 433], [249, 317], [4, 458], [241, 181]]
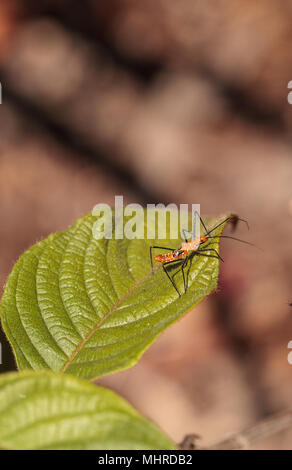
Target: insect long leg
[[193, 233], [188, 272], [218, 225], [184, 231], [210, 256], [191, 257], [181, 269], [171, 280], [201, 252], [184, 263], [202, 222], [183, 273], [160, 248]]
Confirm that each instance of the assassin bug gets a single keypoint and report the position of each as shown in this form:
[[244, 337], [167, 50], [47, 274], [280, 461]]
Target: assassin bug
[[192, 247]]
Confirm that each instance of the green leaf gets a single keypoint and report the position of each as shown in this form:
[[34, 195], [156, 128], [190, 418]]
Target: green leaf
[[43, 410], [90, 307]]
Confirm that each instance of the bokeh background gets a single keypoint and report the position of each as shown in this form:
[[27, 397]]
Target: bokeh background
[[164, 101]]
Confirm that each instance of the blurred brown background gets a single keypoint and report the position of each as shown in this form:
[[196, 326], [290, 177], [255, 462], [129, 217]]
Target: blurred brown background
[[164, 101]]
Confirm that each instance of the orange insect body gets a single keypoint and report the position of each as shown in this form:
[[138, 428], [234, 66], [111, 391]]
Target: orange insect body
[[168, 257], [182, 251], [193, 245]]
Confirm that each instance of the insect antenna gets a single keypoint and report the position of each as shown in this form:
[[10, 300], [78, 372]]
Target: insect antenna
[[235, 219], [234, 238]]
